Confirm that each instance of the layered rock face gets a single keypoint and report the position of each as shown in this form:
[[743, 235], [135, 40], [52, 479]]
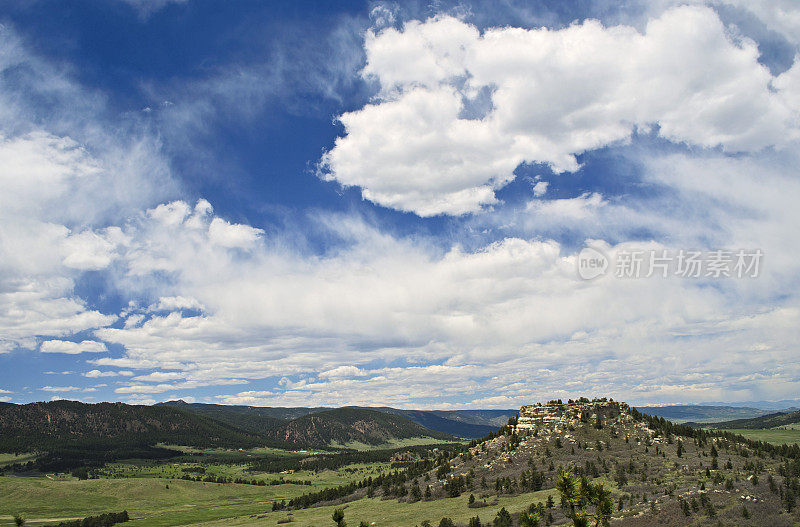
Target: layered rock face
[[562, 415]]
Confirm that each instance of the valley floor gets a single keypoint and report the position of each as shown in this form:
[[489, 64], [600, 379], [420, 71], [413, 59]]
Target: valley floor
[[776, 436]]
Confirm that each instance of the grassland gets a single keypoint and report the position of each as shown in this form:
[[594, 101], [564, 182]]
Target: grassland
[[154, 496], [150, 503], [391, 513], [41, 500], [793, 426], [8, 459], [394, 443], [776, 436], [319, 480], [237, 453]]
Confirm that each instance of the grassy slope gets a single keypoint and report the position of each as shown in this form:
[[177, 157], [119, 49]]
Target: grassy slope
[[351, 425], [273, 412], [469, 424], [191, 503], [391, 513], [775, 436], [763, 422], [701, 413], [243, 417], [8, 459], [41, 500], [395, 443]]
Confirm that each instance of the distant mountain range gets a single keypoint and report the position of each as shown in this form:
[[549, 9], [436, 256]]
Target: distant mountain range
[[461, 423], [117, 428], [702, 413], [773, 420], [771, 406]]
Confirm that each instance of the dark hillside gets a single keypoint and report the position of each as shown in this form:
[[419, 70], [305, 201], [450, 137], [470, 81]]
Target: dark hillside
[[701, 413], [470, 424], [346, 425], [282, 413], [257, 419], [56, 424], [435, 422], [253, 419], [763, 422]]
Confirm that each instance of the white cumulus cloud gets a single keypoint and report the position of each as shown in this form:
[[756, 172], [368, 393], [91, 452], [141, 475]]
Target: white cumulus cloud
[[72, 348], [421, 146]]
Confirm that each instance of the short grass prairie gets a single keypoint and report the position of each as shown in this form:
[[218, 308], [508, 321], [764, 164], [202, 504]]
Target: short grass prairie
[[154, 495], [776, 436]]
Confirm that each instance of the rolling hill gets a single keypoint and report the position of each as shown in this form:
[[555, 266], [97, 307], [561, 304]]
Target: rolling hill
[[758, 423], [470, 424], [58, 424], [701, 413], [345, 426], [433, 421], [253, 419]]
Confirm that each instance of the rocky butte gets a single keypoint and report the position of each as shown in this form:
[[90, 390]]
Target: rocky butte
[[558, 416]]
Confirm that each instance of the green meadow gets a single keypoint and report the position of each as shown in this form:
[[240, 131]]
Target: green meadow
[[776, 436], [391, 513], [154, 495]]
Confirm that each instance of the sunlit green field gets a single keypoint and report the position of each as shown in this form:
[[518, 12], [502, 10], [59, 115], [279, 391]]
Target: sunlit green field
[[153, 493], [793, 426], [153, 500], [8, 459], [391, 513], [394, 443], [41, 500], [149, 502], [318, 480], [252, 452], [772, 435]]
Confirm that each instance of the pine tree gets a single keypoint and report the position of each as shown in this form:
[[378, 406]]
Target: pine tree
[[503, 519], [338, 518]]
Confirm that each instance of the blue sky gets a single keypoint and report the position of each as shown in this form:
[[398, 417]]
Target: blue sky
[[306, 203]]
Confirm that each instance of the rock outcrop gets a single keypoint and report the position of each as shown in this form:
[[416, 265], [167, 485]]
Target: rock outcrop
[[558, 415]]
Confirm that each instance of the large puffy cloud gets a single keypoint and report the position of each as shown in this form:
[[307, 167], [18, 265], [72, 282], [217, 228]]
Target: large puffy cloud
[[458, 110], [465, 323]]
